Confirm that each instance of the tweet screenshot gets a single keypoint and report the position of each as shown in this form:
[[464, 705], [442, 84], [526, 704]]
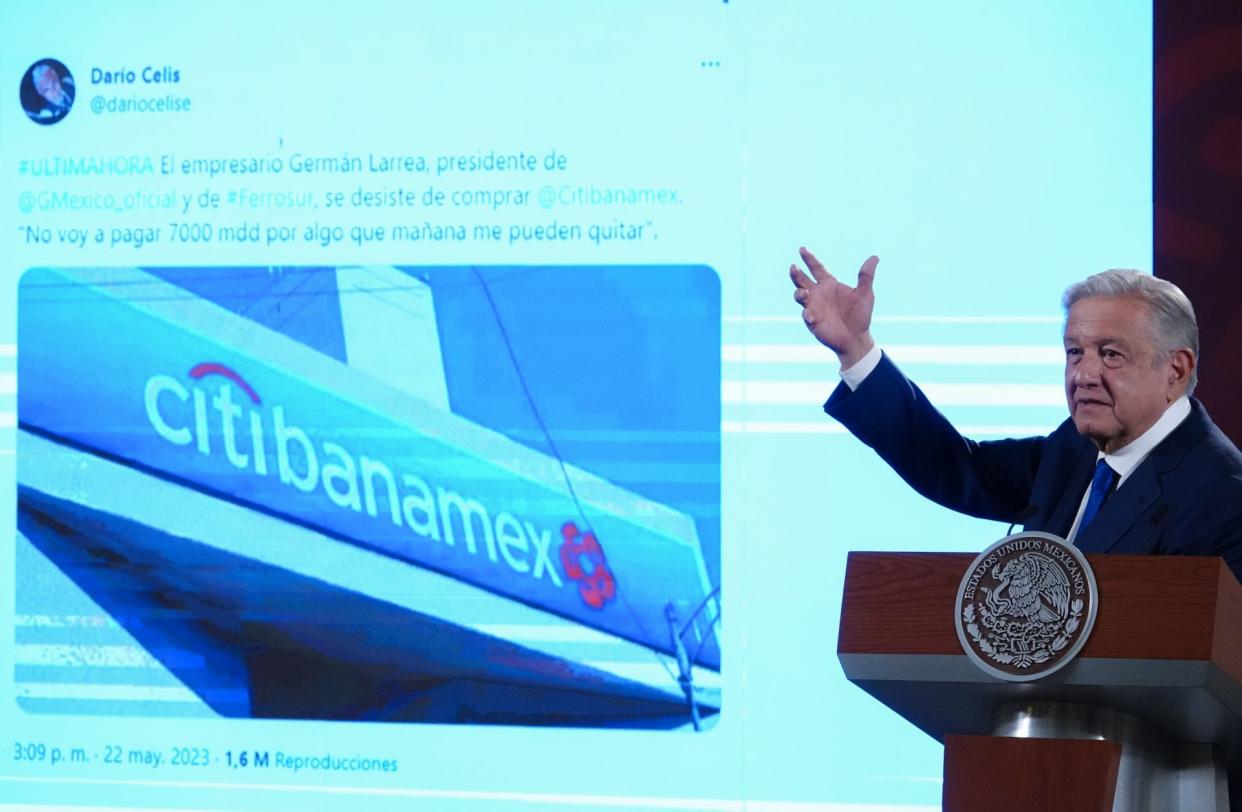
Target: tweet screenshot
[[361, 386]]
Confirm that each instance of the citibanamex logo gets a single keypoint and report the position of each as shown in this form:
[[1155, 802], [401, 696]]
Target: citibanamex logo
[[583, 561]]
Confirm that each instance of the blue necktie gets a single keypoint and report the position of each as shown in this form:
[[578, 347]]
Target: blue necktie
[[1101, 484]]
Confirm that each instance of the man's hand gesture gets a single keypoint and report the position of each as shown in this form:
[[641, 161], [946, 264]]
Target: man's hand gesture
[[838, 315]]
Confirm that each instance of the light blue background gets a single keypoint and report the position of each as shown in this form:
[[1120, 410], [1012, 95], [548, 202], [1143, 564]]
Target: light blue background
[[989, 153]]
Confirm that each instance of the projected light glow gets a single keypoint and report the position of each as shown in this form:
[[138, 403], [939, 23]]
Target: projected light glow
[[404, 402]]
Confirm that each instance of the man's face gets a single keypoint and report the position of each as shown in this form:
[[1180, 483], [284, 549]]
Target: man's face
[[1117, 384], [47, 83]]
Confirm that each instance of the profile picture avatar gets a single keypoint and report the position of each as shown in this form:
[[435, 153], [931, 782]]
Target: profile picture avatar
[[47, 91]]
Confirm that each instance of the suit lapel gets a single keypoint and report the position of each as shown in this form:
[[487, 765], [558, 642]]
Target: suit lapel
[[1062, 516], [1141, 491], [1122, 509]]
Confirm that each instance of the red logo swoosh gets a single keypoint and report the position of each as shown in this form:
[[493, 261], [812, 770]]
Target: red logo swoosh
[[211, 368]]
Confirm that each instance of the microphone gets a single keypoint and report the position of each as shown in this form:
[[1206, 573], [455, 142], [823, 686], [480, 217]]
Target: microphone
[[1022, 515]]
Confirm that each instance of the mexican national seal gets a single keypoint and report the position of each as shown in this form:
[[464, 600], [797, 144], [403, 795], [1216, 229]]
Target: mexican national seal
[[1026, 606]]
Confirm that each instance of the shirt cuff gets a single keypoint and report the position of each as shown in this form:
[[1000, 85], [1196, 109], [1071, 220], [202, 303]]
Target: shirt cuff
[[855, 375]]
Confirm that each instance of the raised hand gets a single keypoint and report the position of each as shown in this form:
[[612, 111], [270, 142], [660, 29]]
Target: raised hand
[[836, 314]]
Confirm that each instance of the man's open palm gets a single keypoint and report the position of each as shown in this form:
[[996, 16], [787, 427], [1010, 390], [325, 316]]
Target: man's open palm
[[836, 314]]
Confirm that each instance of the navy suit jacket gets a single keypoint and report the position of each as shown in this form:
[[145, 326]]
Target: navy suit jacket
[[1184, 499]]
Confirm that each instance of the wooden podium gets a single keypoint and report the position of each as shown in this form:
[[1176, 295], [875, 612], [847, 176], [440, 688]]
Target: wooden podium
[[1148, 716]]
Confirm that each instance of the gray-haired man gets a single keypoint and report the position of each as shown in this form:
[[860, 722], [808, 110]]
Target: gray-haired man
[[1137, 468]]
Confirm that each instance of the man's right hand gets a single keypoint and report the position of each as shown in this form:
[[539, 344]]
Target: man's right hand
[[836, 314]]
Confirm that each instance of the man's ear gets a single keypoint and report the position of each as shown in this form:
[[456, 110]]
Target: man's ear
[[1181, 364]]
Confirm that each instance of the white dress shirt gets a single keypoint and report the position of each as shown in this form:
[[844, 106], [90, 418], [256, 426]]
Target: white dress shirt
[[1125, 459]]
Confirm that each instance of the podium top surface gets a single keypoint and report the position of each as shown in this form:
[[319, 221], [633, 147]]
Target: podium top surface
[[1166, 647], [1151, 607]]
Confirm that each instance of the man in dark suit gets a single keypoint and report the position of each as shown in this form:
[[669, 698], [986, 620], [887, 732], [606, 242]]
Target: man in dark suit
[[1137, 468]]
